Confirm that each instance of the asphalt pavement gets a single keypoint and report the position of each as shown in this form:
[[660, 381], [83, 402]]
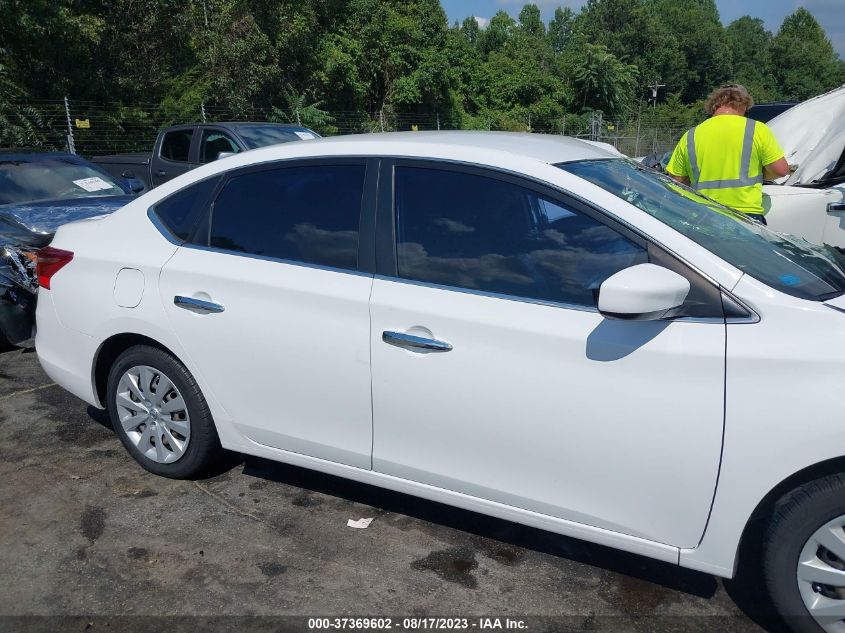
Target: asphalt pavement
[[90, 541]]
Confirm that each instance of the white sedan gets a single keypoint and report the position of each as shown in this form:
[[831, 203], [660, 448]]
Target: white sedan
[[529, 327]]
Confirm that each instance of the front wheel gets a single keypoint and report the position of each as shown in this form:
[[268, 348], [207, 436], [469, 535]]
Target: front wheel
[[160, 414], [804, 556]]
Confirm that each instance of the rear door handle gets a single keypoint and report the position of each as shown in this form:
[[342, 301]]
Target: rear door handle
[[189, 303], [836, 207], [161, 173], [416, 343]]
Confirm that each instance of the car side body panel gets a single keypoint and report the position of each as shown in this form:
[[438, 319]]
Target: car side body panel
[[80, 313]]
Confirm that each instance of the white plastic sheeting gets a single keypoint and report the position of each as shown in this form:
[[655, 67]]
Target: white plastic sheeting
[[812, 135]]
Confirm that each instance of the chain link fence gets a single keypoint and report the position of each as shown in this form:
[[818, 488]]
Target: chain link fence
[[93, 129]]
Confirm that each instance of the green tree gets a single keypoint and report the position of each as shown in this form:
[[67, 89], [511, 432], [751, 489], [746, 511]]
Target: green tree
[[498, 32], [803, 59], [530, 21], [560, 28], [751, 45], [603, 82]]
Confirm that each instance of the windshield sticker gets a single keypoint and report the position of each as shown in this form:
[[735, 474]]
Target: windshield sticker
[[94, 183], [305, 136]]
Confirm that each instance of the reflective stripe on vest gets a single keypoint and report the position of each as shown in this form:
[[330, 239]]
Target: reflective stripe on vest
[[744, 179]]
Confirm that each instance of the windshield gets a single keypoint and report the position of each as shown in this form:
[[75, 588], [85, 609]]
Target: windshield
[[786, 263], [262, 135], [52, 179]]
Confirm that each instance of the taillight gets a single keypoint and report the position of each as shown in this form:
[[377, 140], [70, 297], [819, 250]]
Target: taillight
[[50, 261]]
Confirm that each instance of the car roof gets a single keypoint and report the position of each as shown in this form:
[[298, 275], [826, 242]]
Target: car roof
[[236, 124], [546, 148]]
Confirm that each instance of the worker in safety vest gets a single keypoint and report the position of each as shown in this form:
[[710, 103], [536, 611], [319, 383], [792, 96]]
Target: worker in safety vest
[[728, 156]]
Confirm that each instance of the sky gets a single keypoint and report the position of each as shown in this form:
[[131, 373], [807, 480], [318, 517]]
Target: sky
[[829, 13]]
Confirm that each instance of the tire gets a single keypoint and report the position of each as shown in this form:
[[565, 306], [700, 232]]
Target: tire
[[802, 520], [179, 444]]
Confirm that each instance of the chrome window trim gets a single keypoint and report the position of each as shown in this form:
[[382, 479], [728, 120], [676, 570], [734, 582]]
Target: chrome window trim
[[276, 260], [485, 293]]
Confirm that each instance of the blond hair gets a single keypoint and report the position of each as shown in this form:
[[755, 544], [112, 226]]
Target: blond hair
[[733, 95]]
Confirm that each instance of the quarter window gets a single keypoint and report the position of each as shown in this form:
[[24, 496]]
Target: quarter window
[[307, 214], [481, 233], [176, 145], [179, 212]]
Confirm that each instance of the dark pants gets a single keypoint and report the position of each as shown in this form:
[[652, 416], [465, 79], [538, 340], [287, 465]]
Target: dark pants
[[759, 218]]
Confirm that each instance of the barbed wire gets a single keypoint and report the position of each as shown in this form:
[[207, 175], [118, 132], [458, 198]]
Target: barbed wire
[[97, 128]]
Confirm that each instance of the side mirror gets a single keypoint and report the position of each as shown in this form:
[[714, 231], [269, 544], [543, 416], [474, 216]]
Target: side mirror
[[642, 293], [224, 155]]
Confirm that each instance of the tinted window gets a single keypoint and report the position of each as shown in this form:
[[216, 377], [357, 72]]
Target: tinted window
[[176, 145], [179, 212], [214, 142], [782, 261], [307, 214], [484, 234]]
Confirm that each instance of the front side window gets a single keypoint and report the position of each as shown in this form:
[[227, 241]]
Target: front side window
[[786, 263], [176, 145], [213, 143], [482, 233], [307, 214]]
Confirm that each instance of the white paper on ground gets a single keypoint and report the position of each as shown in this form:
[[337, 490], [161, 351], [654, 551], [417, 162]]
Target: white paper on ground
[[360, 523], [95, 183], [305, 136]]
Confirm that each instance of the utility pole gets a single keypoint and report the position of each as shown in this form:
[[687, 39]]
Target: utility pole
[[654, 88]]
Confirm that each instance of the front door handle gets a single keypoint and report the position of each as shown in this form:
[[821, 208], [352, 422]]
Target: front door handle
[[836, 207], [189, 303], [416, 343], [161, 173]]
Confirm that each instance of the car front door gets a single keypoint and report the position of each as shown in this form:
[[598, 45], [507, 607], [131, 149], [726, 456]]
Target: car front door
[[213, 142], [172, 156], [495, 376], [271, 304]]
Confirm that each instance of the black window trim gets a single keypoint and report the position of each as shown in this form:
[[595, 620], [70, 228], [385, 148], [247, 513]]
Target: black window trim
[[198, 212], [386, 241], [200, 237]]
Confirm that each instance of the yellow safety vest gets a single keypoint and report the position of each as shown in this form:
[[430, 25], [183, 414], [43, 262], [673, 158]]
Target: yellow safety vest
[[724, 157]]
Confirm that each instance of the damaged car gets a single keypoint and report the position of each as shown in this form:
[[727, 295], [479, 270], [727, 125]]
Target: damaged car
[[39, 192]]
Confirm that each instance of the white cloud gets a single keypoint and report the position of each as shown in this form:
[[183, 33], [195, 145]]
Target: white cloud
[[482, 22]]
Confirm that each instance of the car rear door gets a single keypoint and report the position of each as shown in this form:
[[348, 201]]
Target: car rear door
[[271, 303], [495, 376]]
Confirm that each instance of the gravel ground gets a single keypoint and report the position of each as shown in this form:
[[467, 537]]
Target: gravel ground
[[91, 539]]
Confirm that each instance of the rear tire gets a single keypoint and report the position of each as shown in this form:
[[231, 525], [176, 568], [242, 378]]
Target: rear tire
[[159, 413], [804, 556]]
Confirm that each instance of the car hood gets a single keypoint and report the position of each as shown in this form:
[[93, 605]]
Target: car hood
[[812, 135], [47, 216]]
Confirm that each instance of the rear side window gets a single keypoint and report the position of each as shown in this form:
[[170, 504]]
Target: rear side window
[[307, 214], [176, 145], [481, 233], [179, 212]]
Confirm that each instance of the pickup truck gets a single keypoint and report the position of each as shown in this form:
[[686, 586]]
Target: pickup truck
[[180, 148]]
